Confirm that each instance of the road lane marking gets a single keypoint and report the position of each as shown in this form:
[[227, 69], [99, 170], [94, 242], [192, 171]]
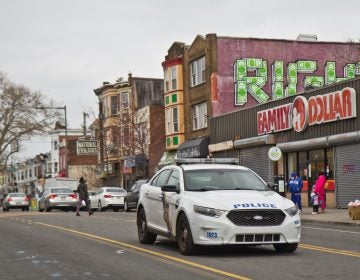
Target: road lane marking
[[330, 250], [150, 252], [336, 230]]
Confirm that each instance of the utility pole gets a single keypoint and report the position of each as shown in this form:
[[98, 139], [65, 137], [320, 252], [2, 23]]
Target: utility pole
[[85, 115]]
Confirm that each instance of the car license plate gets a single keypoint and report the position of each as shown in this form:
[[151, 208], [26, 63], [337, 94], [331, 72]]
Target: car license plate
[[63, 197]]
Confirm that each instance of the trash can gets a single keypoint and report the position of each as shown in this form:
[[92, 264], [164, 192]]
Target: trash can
[[280, 182]]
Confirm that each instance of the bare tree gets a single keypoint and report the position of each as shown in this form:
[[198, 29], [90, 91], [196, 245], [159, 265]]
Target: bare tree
[[20, 116]]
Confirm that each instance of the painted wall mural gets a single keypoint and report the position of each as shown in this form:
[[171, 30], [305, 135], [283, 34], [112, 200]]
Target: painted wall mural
[[251, 75]]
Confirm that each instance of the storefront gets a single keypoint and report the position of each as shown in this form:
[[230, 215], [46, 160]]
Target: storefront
[[318, 130]]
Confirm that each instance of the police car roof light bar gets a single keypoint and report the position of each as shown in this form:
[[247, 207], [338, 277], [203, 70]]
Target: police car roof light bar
[[233, 161]]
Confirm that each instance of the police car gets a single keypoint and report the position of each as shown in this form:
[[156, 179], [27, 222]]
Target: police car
[[215, 202]]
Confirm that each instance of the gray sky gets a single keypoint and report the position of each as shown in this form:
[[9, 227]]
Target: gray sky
[[66, 48]]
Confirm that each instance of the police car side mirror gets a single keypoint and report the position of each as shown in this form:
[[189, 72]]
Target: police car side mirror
[[272, 186], [170, 188]]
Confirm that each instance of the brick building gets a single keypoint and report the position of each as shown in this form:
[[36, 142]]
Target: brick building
[[131, 129]]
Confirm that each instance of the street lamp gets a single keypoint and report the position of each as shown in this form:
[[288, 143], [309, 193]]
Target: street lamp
[[66, 150]]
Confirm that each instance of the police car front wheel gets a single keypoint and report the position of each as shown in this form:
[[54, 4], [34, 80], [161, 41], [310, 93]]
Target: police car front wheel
[[184, 237], [145, 236]]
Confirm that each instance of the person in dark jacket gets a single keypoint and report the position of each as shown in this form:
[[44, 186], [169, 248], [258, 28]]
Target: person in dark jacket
[[82, 190]]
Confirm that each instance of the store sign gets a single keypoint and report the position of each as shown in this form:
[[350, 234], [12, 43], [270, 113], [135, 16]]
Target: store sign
[[274, 153], [334, 106], [87, 147]]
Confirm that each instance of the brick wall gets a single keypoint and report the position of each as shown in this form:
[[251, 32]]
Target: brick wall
[[157, 137]]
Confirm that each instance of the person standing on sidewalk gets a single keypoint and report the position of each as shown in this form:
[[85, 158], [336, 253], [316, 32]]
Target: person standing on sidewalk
[[295, 186], [82, 190], [320, 190]]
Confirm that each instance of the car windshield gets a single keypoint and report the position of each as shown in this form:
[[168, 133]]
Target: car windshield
[[62, 190], [117, 190], [17, 195], [222, 179]]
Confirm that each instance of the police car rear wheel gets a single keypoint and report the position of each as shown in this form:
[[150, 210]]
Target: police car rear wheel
[[286, 247], [145, 236], [184, 237]]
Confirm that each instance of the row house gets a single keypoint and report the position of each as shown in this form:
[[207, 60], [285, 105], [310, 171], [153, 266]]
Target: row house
[[225, 77], [130, 129]]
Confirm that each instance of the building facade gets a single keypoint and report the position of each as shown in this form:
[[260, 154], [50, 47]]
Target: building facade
[[228, 74], [127, 131]]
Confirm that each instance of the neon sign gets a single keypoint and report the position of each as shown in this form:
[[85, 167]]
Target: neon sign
[[245, 83]]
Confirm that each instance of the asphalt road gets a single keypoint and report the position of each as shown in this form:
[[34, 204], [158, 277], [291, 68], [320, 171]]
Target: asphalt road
[[59, 245]]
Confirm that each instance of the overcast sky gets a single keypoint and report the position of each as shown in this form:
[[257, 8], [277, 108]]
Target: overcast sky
[[67, 48]]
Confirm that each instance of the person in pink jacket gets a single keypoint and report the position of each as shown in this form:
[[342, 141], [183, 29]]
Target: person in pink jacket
[[320, 190]]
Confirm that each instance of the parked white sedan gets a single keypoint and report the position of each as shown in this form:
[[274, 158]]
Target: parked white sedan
[[108, 198]]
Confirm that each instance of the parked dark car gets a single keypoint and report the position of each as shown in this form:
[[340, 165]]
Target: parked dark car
[[132, 196]]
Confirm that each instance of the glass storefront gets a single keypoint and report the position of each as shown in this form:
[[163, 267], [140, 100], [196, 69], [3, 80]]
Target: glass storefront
[[309, 163]]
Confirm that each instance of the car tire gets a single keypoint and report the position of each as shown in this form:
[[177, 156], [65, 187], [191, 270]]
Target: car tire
[[145, 236], [27, 209], [47, 208], [126, 206], [23, 209], [285, 247], [100, 208], [116, 209], [184, 236], [39, 209]]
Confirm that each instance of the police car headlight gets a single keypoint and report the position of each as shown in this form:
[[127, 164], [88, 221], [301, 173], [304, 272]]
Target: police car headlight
[[208, 211], [292, 211]]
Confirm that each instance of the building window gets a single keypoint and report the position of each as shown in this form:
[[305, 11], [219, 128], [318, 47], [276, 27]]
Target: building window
[[176, 140], [167, 100], [173, 78], [55, 167], [199, 115], [168, 121], [166, 80], [175, 120], [174, 98], [55, 145], [197, 68], [114, 105], [124, 100]]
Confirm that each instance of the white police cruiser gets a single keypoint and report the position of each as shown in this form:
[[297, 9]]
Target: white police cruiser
[[202, 202]]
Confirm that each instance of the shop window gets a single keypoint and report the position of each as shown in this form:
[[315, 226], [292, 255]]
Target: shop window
[[329, 168], [292, 164], [303, 165]]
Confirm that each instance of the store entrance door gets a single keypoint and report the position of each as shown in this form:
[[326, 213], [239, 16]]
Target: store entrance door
[[317, 164]]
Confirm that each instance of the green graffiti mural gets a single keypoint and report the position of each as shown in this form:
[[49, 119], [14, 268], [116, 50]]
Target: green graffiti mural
[[246, 83]]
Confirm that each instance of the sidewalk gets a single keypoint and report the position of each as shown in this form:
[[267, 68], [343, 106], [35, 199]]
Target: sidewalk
[[331, 216]]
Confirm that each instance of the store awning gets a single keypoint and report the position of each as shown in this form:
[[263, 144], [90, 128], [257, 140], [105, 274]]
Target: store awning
[[194, 148]]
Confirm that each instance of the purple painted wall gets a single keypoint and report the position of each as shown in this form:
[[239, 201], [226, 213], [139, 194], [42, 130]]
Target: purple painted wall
[[231, 49]]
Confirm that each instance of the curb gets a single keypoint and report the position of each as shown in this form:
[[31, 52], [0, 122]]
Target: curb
[[309, 221]]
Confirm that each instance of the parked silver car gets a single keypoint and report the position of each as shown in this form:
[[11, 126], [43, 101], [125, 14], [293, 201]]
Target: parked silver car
[[108, 197], [16, 200], [57, 198]]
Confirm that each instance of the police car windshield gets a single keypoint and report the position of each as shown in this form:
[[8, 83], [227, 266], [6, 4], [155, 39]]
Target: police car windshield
[[222, 179]]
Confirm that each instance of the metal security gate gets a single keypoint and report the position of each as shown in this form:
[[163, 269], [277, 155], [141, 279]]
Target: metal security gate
[[234, 153], [257, 159], [347, 174]]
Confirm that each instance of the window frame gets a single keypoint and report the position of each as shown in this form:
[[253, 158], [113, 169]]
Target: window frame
[[199, 116], [197, 71]]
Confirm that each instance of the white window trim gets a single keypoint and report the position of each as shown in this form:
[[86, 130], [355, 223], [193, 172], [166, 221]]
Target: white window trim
[[197, 71], [199, 116]]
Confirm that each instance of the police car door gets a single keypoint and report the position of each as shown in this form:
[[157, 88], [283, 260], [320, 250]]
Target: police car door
[[171, 202], [155, 200]]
